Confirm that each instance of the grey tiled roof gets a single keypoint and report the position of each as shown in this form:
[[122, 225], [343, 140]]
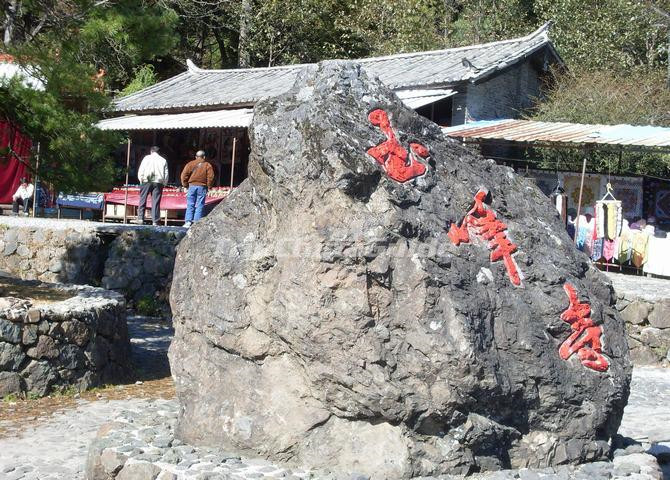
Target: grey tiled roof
[[202, 89]]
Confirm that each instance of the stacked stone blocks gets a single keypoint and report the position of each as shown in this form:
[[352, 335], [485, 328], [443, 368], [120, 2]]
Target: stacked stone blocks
[[79, 342]]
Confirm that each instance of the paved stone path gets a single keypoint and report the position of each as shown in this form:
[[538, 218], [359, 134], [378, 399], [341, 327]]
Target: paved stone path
[[150, 339], [647, 415], [57, 448], [65, 224], [646, 288]]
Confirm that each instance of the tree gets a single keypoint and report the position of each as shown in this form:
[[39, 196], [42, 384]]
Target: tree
[[402, 26], [614, 35], [110, 35], [75, 156]]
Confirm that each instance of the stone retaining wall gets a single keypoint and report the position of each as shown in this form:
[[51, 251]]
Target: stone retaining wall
[[52, 255], [139, 264], [135, 261], [79, 342], [648, 328]]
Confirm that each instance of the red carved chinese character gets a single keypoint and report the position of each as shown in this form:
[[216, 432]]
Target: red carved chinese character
[[486, 225], [489, 225], [458, 235], [585, 337], [503, 249], [392, 156]]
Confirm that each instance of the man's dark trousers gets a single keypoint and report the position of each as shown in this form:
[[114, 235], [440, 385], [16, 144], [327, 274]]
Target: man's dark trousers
[[156, 190], [26, 203]]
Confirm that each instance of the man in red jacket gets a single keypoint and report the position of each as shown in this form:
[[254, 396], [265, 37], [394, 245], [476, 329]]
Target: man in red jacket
[[198, 176]]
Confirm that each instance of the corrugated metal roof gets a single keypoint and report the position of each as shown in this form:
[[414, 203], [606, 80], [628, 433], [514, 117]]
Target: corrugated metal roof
[[207, 88], [218, 118], [419, 98], [528, 131]]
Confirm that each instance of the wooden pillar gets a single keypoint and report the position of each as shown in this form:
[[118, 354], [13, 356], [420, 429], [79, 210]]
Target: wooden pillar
[[36, 194], [232, 163], [125, 200], [581, 190]]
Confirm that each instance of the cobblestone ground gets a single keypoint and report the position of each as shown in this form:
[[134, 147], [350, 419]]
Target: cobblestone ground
[[55, 447], [35, 447]]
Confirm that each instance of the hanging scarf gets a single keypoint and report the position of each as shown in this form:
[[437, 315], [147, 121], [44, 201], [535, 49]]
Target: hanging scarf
[[597, 249], [600, 219], [614, 219], [640, 241]]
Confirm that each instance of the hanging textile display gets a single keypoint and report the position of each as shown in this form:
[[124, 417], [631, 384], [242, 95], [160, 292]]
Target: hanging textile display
[[609, 247], [658, 254], [590, 193], [662, 205], [597, 249], [610, 216], [586, 231], [629, 191], [560, 202], [639, 248]]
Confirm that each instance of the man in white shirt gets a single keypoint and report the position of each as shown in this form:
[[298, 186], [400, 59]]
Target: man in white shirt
[[23, 196], [153, 175]]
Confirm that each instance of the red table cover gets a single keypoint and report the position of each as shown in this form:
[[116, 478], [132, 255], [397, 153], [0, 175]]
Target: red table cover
[[172, 198]]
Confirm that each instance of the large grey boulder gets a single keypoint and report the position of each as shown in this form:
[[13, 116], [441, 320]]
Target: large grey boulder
[[325, 318]]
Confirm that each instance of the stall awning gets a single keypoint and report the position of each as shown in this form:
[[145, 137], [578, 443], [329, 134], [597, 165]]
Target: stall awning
[[240, 118], [419, 98], [562, 133]]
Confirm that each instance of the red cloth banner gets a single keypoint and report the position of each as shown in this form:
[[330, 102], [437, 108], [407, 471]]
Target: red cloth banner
[[11, 169], [172, 198]]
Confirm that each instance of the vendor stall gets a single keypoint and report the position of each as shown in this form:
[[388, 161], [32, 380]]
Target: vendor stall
[[80, 202], [597, 207], [122, 202]]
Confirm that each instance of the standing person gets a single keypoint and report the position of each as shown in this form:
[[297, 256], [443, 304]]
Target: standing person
[[23, 196], [198, 176], [153, 175]]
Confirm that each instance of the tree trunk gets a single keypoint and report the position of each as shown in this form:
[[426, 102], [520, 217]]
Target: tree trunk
[[11, 11], [243, 57]]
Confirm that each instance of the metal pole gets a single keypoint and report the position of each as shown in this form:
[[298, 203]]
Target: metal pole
[[232, 163], [36, 194], [125, 200], [579, 203]]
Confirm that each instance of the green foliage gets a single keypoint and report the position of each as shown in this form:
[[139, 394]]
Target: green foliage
[[145, 76], [123, 34], [148, 306], [302, 31], [74, 155], [10, 398], [481, 21], [612, 35], [636, 97]]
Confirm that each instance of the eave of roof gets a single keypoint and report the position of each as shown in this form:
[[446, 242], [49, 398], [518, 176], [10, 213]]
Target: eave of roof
[[531, 132], [240, 118], [213, 89]]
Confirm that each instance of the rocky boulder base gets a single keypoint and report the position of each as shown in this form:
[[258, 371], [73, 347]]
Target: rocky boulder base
[[140, 445], [376, 298], [78, 342]]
